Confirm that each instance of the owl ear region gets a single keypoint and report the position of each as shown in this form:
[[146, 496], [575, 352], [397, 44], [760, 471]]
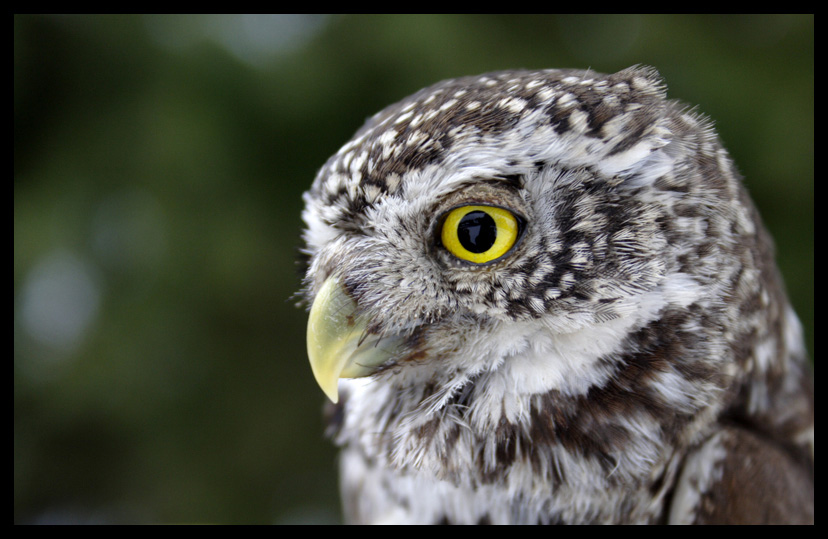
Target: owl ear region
[[338, 345]]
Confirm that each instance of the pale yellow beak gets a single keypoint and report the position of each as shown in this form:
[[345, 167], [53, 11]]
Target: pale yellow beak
[[338, 346]]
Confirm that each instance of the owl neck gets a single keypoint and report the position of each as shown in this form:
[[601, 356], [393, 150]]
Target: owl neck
[[625, 404]]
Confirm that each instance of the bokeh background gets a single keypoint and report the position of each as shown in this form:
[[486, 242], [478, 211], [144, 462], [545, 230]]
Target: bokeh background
[[159, 161]]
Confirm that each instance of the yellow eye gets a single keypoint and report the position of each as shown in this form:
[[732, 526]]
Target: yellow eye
[[479, 234]]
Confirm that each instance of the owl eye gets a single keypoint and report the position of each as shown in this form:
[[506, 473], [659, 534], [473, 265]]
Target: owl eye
[[479, 234]]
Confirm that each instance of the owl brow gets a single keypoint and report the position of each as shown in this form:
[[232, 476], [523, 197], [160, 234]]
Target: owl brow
[[512, 183]]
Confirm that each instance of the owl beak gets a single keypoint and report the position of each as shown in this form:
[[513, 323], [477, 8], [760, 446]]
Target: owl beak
[[338, 345]]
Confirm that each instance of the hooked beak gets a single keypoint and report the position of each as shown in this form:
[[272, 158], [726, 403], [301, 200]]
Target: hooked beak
[[338, 345]]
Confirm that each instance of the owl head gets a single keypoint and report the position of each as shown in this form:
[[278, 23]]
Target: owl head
[[482, 210]]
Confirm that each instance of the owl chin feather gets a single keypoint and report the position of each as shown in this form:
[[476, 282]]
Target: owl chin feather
[[626, 354]]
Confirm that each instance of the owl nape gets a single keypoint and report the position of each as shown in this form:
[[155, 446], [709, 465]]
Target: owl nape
[[546, 297]]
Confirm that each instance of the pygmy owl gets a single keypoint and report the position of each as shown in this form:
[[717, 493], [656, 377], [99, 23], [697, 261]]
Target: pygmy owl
[[545, 297]]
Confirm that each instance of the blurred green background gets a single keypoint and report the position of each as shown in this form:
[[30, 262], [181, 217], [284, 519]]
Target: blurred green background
[[159, 161]]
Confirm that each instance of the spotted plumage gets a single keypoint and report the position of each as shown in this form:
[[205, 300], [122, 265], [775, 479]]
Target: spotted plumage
[[630, 358]]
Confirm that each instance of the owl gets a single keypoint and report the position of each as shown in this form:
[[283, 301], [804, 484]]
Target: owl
[[546, 297]]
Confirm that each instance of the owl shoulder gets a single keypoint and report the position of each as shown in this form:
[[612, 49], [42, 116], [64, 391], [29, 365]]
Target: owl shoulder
[[739, 477]]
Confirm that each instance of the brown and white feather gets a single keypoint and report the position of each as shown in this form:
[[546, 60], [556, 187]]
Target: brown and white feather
[[633, 360]]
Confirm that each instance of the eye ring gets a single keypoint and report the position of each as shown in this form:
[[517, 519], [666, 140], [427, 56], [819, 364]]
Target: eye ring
[[480, 234]]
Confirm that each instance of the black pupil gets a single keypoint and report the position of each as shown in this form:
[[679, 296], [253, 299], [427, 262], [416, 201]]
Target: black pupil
[[477, 231]]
